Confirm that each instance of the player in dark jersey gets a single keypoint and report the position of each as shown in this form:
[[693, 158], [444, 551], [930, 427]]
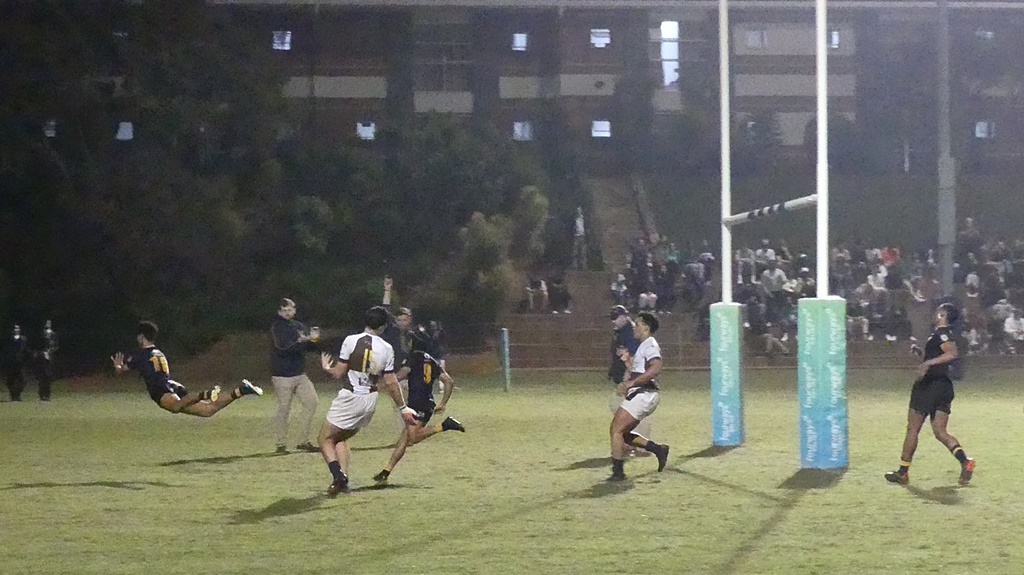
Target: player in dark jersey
[[170, 395], [932, 396], [422, 371]]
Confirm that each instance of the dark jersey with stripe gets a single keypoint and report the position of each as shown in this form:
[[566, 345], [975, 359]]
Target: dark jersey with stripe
[[423, 372], [151, 364], [933, 349]]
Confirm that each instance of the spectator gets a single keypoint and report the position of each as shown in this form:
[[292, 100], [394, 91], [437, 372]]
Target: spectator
[[665, 286], [1013, 330], [288, 374], [972, 284], [619, 289], [647, 301], [49, 344], [536, 293], [673, 259], [762, 256], [559, 297], [857, 321], [15, 356], [969, 239], [745, 265], [773, 280], [579, 241]]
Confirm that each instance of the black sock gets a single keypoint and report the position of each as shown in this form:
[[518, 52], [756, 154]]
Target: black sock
[[652, 446], [904, 467], [236, 392], [335, 468], [959, 454], [617, 467]]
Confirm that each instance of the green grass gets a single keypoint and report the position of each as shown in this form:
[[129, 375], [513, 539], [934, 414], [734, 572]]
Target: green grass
[[106, 483]]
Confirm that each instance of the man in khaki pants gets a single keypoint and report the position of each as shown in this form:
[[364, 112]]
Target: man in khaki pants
[[288, 371]]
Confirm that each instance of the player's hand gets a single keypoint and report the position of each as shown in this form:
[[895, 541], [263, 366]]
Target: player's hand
[[439, 408], [326, 361], [118, 359], [409, 415]]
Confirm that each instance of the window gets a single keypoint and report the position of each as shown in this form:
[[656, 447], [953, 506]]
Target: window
[[833, 38], [366, 130], [519, 41], [983, 34], [600, 37], [50, 128], [522, 131], [601, 129], [985, 130], [669, 54], [282, 40], [443, 58], [125, 132], [756, 38]]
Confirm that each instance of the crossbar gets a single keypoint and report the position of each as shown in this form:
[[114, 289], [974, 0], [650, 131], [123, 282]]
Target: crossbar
[[791, 205]]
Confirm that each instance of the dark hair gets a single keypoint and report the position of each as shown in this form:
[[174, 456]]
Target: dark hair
[[421, 341], [952, 312], [649, 319], [148, 330], [376, 317]]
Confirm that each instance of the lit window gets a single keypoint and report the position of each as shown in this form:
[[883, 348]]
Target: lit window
[[983, 34], [985, 130], [601, 129], [600, 37], [282, 39], [520, 41], [522, 131], [366, 130], [670, 30], [125, 132], [756, 38], [50, 128], [833, 39]]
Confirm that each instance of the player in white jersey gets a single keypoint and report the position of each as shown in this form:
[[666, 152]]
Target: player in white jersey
[[365, 361], [640, 397]]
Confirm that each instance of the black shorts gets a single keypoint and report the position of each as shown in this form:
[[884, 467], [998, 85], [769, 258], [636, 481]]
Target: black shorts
[[158, 390], [424, 411], [931, 394]]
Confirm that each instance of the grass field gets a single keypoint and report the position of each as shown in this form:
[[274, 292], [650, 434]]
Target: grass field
[[106, 483]]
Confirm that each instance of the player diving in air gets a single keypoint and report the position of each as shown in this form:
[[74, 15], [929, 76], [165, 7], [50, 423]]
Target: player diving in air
[[170, 395]]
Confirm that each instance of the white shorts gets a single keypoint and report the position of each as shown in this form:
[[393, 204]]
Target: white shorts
[[350, 411], [642, 405]]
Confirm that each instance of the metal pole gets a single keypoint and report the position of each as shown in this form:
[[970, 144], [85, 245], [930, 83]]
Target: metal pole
[[946, 163], [773, 209], [725, 124], [821, 57], [506, 365]]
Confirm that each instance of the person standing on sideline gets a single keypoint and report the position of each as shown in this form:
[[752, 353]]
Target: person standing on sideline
[[579, 241], [14, 357], [640, 398], [288, 374], [49, 344], [932, 396], [365, 363]]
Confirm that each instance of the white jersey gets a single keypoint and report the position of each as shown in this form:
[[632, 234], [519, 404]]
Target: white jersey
[[648, 351], [368, 357]]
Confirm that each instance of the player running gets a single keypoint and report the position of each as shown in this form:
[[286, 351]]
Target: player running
[[641, 397], [422, 371], [365, 361], [932, 395], [170, 395]]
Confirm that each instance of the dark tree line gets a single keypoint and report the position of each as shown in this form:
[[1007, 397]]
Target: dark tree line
[[211, 211]]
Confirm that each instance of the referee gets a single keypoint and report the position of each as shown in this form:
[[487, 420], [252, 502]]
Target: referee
[[932, 396]]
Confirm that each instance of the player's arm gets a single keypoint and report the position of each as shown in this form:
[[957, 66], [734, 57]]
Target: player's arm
[[653, 371], [391, 386], [286, 337], [403, 373], [336, 369], [949, 353], [449, 389]]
